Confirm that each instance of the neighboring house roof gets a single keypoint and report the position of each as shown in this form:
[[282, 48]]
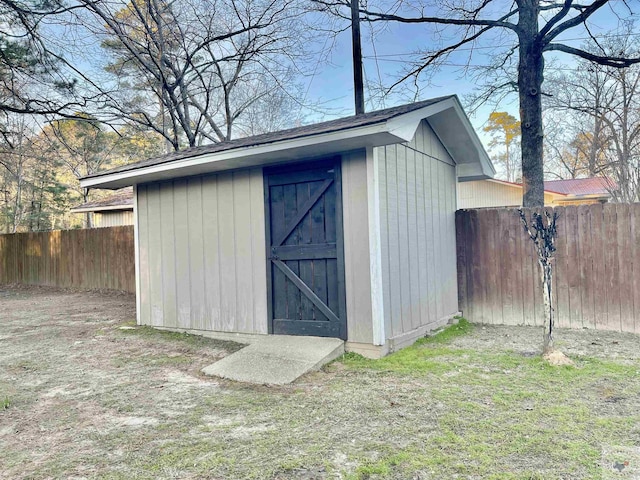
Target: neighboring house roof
[[582, 186], [384, 127], [119, 200]]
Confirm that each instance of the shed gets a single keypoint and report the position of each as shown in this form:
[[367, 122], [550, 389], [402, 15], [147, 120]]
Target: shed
[[342, 228], [112, 211]]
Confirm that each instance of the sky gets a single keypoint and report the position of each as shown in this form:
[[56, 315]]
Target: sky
[[384, 52]]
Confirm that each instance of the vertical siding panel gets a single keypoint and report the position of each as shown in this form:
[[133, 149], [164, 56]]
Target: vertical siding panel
[[384, 238], [259, 259], [430, 234], [395, 283], [155, 251], [210, 228], [349, 251], [403, 241], [167, 255], [413, 250], [182, 247], [421, 264], [196, 254], [243, 250], [438, 211], [451, 281], [356, 243], [226, 234], [418, 203]]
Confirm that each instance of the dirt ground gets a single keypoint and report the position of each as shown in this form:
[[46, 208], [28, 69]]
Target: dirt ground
[[80, 397]]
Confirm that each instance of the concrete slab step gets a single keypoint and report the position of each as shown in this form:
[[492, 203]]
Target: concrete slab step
[[277, 359]]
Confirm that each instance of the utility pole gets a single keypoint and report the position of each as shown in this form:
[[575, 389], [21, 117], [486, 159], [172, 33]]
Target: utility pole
[[358, 82]]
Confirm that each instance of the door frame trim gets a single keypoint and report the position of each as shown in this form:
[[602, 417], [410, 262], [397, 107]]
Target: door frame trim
[[336, 162]]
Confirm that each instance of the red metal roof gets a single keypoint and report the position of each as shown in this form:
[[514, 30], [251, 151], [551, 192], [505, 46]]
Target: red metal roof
[[582, 186]]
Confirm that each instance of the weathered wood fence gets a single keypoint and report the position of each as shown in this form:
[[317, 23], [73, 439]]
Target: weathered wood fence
[[98, 258], [597, 269]]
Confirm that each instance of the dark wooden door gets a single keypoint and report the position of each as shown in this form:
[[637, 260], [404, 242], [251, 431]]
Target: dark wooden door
[[305, 250]]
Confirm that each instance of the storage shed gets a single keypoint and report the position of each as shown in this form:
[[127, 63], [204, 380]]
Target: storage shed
[[343, 228], [113, 211]]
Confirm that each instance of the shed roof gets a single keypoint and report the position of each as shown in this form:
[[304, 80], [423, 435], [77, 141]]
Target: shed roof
[[382, 127], [118, 200]]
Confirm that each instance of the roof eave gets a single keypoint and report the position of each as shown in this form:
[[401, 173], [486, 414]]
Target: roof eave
[[253, 156], [82, 209], [455, 131], [446, 118]]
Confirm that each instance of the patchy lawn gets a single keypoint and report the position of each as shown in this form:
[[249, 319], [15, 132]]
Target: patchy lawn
[[82, 398]]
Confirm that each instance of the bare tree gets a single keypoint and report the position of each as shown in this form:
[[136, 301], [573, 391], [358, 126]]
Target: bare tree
[[190, 69], [27, 178], [607, 101], [536, 27], [542, 230], [35, 76]]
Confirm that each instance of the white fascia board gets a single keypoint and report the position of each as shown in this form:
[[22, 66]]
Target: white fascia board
[[102, 209], [246, 157]]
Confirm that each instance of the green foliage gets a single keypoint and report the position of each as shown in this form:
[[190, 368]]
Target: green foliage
[[505, 133], [428, 354], [6, 403]]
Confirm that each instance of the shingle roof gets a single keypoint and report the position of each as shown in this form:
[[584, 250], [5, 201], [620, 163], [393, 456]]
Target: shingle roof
[[345, 123], [120, 198], [582, 186]]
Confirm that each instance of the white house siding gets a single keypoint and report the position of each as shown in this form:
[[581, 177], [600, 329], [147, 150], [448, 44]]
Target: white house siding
[[417, 210], [484, 194], [202, 253], [488, 194], [356, 247], [113, 219]]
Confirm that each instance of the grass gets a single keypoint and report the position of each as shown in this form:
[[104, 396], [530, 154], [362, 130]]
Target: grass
[[468, 402], [429, 354], [187, 339], [500, 407]]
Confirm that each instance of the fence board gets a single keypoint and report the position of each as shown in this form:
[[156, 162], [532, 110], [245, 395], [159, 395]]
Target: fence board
[[98, 258], [596, 272]]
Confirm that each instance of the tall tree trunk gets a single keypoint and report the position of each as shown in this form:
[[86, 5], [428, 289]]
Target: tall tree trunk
[[530, 77], [88, 218]]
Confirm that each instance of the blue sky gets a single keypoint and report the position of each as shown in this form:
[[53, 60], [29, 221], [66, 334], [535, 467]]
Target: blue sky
[[332, 84]]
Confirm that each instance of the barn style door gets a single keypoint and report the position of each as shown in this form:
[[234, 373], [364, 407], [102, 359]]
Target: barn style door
[[305, 250]]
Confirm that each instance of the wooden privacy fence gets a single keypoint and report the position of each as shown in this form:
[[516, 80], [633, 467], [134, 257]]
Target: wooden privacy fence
[[596, 274], [98, 258]]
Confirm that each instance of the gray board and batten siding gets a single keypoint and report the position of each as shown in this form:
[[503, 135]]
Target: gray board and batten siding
[[203, 263], [203, 253], [418, 244]]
